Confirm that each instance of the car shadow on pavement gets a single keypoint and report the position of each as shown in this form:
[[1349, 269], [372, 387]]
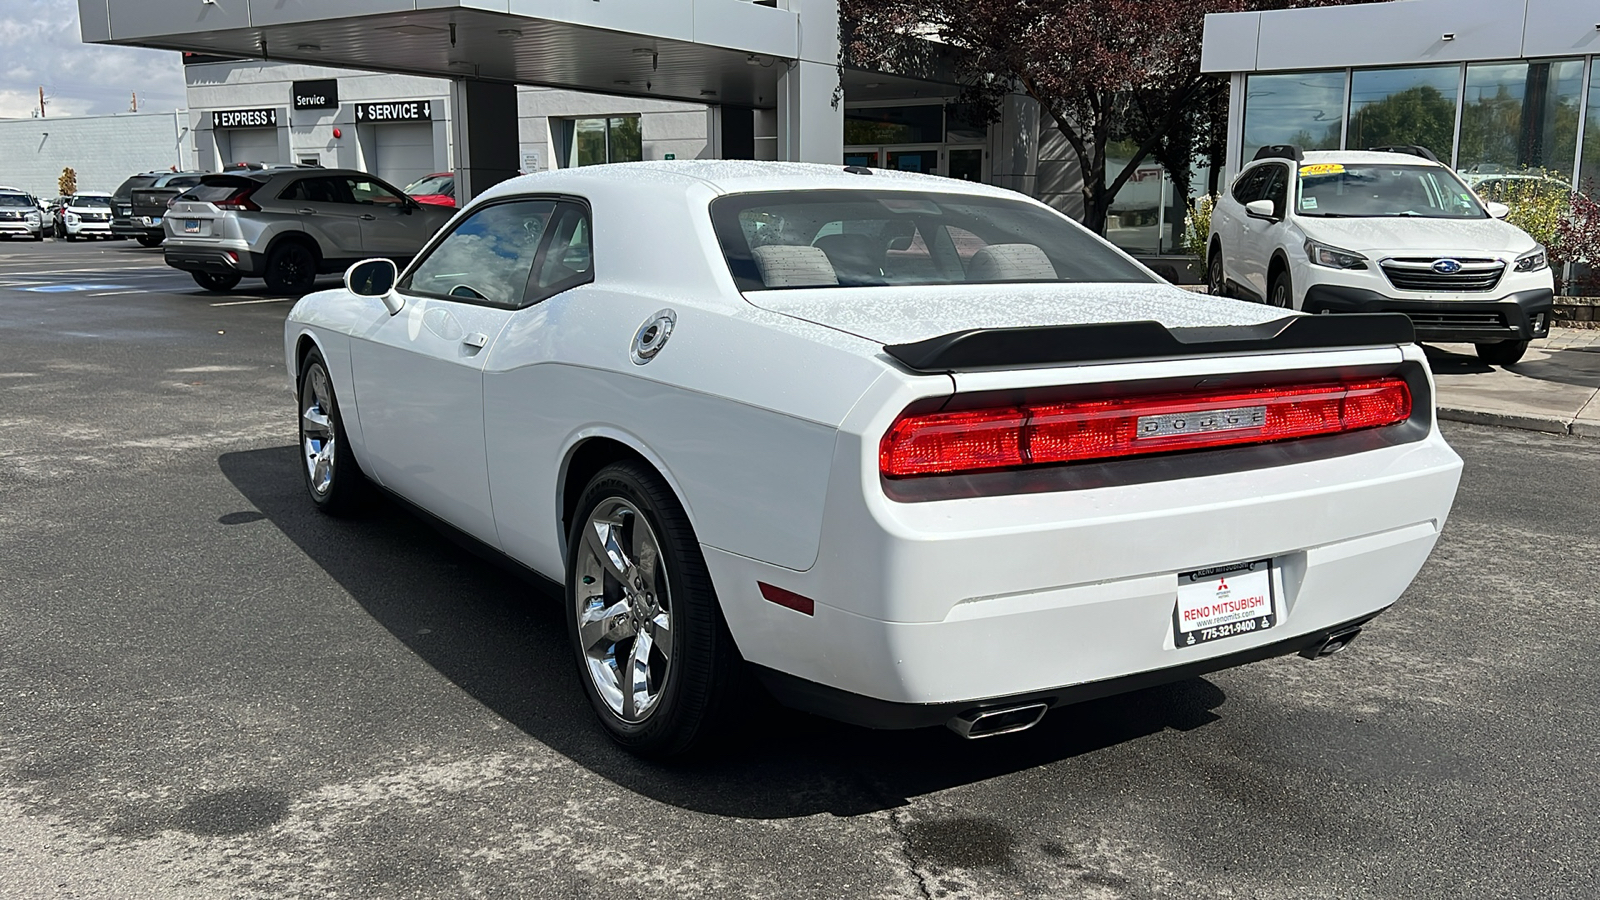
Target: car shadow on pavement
[[502, 639], [1557, 366]]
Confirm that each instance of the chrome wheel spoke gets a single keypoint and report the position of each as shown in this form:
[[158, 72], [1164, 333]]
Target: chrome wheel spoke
[[314, 420], [602, 626], [639, 694], [660, 631], [604, 540]]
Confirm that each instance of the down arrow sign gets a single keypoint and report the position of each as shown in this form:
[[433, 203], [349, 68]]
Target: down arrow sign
[[427, 110], [361, 112]]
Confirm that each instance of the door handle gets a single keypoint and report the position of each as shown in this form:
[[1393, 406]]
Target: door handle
[[306, 212], [475, 340], [368, 217]]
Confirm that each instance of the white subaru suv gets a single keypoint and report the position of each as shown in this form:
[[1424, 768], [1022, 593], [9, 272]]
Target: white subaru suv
[[1388, 230]]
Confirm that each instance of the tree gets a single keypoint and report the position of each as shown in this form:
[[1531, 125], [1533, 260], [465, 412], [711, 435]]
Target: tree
[[1102, 70], [68, 182]]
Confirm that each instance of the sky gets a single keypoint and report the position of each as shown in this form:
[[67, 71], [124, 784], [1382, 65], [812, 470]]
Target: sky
[[40, 45]]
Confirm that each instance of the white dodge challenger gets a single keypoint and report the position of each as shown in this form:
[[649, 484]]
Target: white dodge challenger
[[905, 450]]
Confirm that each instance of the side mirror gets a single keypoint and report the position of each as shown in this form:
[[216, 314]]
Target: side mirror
[[1261, 209], [375, 278], [1497, 210]]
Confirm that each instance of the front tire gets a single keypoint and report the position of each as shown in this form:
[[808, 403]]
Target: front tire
[[291, 269], [1503, 353], [654, 654], [1281, 294], [332, 477], [216, 281], [1216, 278]]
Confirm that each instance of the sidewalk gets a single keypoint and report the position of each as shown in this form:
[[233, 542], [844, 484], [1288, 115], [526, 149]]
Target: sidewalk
[[1555, 388]]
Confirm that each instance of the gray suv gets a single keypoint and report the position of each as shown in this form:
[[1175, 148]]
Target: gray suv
[[289, 225]]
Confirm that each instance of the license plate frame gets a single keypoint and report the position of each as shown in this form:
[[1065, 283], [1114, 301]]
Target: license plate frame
[[191, 226], [1220, 602]]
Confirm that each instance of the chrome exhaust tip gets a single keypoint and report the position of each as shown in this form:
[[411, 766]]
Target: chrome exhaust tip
[[1331, 644], [982, 723]]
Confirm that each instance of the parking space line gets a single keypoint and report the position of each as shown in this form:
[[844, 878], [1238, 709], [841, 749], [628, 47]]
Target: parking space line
[[247, 302], [115, 293]]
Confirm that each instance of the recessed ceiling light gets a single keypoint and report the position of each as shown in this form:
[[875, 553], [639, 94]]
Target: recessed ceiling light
[[509, 32], [308, 48], [622, 81], [412, 29], [644, 51]]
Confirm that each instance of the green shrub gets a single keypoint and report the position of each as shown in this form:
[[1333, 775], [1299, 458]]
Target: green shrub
[[1197, 227]]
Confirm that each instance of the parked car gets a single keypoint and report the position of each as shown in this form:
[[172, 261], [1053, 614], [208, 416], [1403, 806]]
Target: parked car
[[1385, 231], [85, 215], [20, 215], [438, 189], [289, 225], [139, 204], [774, 421]]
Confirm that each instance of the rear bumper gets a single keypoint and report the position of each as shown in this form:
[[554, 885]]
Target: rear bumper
[[134, 228], [1516, 317], [214, 260], [1067, 593]]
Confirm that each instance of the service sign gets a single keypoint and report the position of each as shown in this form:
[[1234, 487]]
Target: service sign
[[1223, 601], [395, 111], [322, 93], [244, 118]]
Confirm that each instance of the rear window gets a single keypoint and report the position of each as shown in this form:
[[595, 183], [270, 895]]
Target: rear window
[[183, 181], [215, 188], [134, 183], [856, 238]]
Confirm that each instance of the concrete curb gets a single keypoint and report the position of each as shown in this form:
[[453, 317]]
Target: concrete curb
[[1545, 424]]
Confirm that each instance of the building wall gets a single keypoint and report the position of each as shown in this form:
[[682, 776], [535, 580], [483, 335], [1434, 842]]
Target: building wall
[[103, 150]]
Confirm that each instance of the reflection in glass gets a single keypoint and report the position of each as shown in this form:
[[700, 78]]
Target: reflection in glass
[[488, 256], [596, 141], [1414, 105], [894, 125], [1303, 108], [1589, 174], [1521, 115], [624, 140]]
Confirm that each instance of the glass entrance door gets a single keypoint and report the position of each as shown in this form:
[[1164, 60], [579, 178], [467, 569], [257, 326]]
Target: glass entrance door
[[915, 158]]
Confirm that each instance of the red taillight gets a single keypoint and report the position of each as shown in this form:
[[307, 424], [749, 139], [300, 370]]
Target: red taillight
[[1041, 433], [239, 199]]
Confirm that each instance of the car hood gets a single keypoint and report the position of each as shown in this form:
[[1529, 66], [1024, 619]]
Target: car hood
[[903, 314], [1396, 236]]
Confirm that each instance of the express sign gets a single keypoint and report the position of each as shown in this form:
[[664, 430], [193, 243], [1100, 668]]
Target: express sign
[[244, 118], [395, 111]]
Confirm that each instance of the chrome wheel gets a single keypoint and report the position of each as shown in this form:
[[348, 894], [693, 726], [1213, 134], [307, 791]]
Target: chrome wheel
[[318, 430], [1216, 285], [625, 628]]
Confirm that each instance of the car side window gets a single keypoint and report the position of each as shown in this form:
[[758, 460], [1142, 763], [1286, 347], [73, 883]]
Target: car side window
[[568, 258], [1276, 188], [317, 190], [1247, 187], [368, 192], [488, 256]]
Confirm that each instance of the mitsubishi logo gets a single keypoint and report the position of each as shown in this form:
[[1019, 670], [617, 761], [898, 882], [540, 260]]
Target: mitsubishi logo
[[1447, 266]]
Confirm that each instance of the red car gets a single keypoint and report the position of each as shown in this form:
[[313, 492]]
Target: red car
[[438, 189]]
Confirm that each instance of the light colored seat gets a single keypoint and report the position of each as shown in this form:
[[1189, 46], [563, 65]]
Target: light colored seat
[[783, 265], [1010, 262]]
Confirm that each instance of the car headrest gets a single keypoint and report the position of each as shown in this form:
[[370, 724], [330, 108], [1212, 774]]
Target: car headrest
[[784, 265], [1010, 262]]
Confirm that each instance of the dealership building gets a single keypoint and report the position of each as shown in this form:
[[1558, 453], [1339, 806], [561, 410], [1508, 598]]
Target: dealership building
[[1491, 87]]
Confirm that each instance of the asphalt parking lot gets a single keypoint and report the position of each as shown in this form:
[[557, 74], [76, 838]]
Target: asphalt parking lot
[[209, 690]]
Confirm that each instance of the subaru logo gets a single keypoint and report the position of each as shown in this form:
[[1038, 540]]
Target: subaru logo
[[1447, 266]]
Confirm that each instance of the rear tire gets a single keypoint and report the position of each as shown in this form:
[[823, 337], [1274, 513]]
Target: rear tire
[[637, 586], [1281, 294], [214, 281], [332, 476], [291, 269], [1503, 353], [146, 240]]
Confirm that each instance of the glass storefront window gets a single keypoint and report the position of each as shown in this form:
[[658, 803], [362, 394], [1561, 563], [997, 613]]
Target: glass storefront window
[[1589, 172], [1521, 116], [894, 125], [615, 139], [1415, 105], [1304, 108]]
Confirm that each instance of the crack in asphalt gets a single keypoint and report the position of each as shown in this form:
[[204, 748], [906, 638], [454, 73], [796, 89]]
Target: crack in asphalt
[[900, 832]]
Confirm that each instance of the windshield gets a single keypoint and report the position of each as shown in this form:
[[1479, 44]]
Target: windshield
[[1335, 190], [433, 184], [15, 200], [853, 238], [99, 202]]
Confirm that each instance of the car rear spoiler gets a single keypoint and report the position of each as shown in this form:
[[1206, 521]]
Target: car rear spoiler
[[1053, 345]]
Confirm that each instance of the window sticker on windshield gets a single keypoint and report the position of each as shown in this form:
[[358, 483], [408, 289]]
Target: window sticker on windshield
[[1308, 203], [1321, 169], [1466, 197]]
